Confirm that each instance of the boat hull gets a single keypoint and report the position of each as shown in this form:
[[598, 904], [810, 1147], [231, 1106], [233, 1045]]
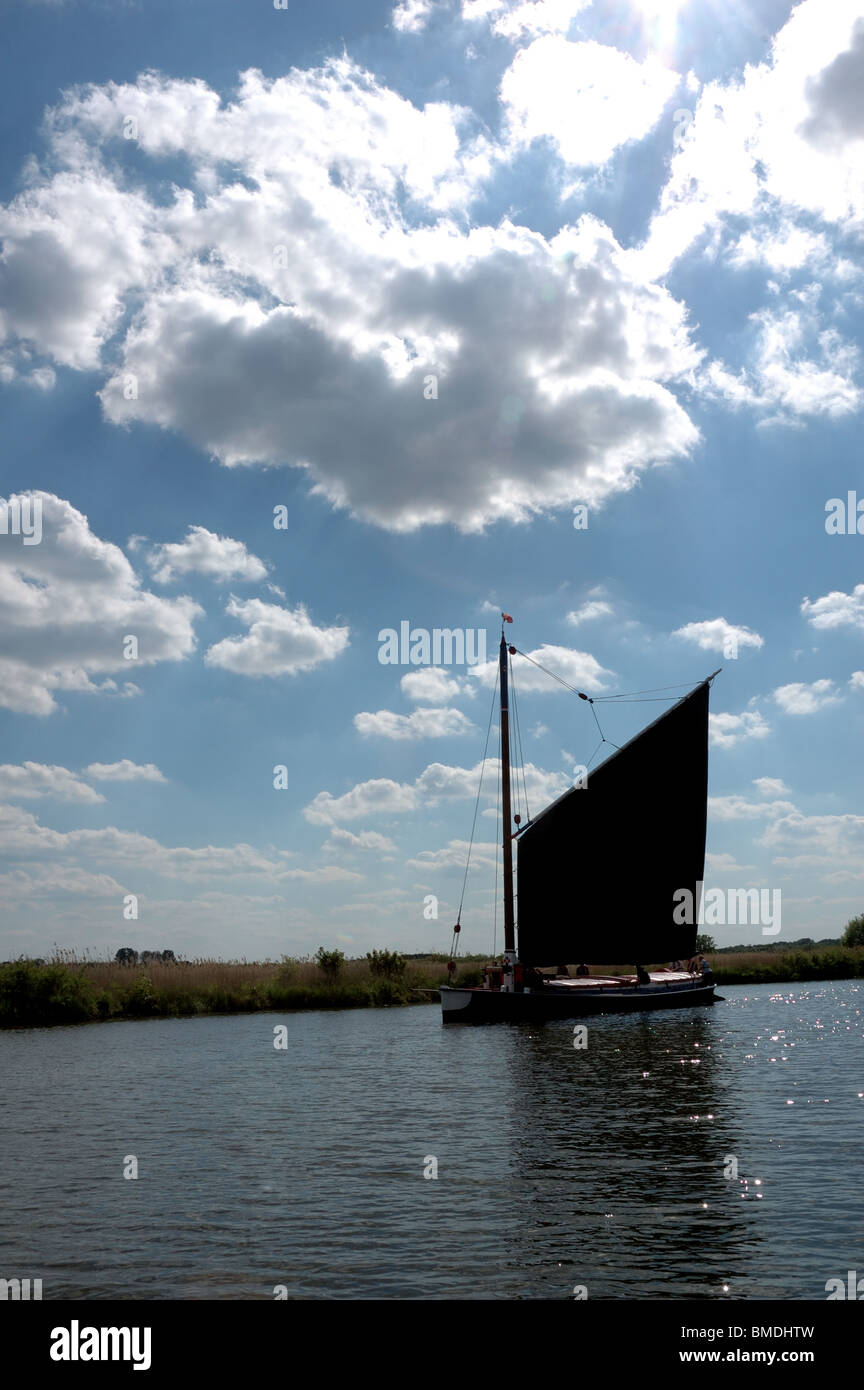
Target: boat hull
[[495, 1006]]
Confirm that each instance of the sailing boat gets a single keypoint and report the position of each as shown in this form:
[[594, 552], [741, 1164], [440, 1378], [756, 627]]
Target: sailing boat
[[601, 874]]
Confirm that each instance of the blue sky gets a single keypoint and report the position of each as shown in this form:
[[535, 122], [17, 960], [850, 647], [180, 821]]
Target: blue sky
[[237, 244]]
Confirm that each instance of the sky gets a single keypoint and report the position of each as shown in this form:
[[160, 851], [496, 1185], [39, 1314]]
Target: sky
[[321, 318]]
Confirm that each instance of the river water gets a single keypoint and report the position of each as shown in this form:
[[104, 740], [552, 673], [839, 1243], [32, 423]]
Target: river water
[[700, 1153]]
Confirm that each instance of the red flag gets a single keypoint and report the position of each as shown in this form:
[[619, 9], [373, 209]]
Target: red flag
[[506, 617]]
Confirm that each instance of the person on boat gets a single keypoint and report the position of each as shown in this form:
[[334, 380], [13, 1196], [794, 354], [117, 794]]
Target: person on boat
[[563, 971], [642, 975], [675, 965], [705, 968], [582, 970], [693, 965]]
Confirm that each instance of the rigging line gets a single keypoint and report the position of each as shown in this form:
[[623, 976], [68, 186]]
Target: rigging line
[[624, 700], [477, 802], [596, 751], [622, 695], [650, 691]]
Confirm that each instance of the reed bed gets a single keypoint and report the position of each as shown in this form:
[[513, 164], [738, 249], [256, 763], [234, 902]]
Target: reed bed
[[67, 989]]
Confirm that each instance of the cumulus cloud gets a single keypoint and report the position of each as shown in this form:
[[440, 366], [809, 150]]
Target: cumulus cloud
[[836, 609], [280, 641], [799, 368], [738, 808], [28, 780], [331, 268], [834, 844], [69, 604], [772, 138], [340, 839], [587, 98], [382, 797], [203, 552], [431, 685], [420, 723], [453, 856], [800, 698], [716, 635], [727, 730], [856, 680], [24, 836], [412, 16], [593, 608], [770, 786], [125, 771]]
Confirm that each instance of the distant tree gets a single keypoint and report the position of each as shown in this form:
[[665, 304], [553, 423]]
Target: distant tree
[[705, 943], [168, 958], [329, 962], [126, 956], [854, 933], [387, 963]]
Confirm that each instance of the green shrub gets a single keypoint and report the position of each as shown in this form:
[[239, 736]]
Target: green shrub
[[854, 933], [31, 995], [386, 963], [329, 962]]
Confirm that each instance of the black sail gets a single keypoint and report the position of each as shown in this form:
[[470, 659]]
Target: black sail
[[598, 869]]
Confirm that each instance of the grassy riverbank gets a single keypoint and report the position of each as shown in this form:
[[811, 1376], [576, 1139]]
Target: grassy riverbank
[[72, 991], [76, 991]]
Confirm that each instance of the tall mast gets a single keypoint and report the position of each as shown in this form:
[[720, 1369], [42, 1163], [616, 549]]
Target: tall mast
[[507, 842]]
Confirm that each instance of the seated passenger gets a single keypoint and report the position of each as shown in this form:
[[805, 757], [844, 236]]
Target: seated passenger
[[582, 970], [642, 975]]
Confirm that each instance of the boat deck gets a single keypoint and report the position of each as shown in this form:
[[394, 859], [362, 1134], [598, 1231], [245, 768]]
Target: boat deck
[[657, 977]]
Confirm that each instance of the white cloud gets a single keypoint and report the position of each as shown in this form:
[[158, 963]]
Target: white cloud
[[800, 698], [727, 730], [22, 835], [834, 844], [280, 641], [340, 839], [783, 137], [69, 603], [420, 723], [594, 608], [577, 668], [799, 368], [782, 249], [856, 680], [556, 365], [737, 808], [717, 864], [532, 16], [125, 771], [382, 797], [203, 552], [588, 98], [716, 635], [430, 685], [412, 16], [51, 881], [27, 780], [770, 786], [836, 609], [454, 856]]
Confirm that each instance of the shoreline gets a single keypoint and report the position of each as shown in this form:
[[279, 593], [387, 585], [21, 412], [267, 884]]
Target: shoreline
[[34, 995]]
